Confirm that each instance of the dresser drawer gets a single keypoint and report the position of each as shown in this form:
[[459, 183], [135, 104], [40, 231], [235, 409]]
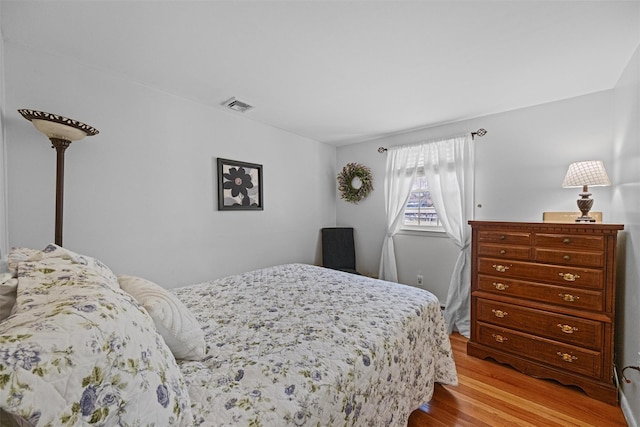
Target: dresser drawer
[[562, 275], [569, 329], [569, 241], [560, 256], [563, 356], [510, 237], [504, 251], [560, 295]]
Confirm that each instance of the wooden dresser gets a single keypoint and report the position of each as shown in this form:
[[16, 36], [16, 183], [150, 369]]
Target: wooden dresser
[[543, 300]]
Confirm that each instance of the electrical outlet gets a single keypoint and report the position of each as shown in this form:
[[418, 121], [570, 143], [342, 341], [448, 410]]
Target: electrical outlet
[[419, 280]]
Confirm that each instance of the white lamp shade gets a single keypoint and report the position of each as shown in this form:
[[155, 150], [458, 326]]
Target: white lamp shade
[[58, 130], [56, 126], [591, 173]]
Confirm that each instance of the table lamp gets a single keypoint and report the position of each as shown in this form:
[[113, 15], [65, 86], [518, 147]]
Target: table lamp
[[585, 174]]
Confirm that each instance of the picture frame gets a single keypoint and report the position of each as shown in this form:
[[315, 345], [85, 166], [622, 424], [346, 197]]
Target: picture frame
[[239, 186], [568, 217]]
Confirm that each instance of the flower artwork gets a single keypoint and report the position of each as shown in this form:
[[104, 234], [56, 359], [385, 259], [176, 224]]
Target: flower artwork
[[239, 185], [239, 182]]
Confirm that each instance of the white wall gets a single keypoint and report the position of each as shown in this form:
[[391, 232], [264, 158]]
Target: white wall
[[626, 208], [4, 231], [520, 165], [141, 195]]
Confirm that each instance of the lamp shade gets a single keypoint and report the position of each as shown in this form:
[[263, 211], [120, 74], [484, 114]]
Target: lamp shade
[[590, 172], [56, 126]]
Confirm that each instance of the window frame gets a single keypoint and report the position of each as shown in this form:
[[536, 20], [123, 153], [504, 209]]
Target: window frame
[[435, 230]]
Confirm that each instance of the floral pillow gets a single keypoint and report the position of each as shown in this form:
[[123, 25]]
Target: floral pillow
[[78, 350], [54, 251], [8, 284], [16, 256]]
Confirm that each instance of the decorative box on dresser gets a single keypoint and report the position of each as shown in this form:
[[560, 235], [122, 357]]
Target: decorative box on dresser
[[543, 300]]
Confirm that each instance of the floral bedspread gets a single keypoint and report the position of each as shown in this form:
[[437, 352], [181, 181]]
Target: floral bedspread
[[306, 346], [79, 351]]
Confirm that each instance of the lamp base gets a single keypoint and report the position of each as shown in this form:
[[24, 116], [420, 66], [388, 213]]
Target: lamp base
[[584, 204]]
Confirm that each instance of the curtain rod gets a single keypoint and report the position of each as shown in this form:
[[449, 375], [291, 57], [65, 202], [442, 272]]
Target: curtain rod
[[480, 132]]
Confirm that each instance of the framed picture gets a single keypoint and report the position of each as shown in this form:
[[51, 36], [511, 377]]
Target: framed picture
[[239, 186]]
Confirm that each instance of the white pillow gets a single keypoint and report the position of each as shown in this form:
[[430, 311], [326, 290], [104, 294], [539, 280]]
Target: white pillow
[[4, 265], [8, 286], [177, 325]]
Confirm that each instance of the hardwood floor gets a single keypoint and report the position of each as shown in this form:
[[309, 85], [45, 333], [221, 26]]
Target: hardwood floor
[[490, 394]]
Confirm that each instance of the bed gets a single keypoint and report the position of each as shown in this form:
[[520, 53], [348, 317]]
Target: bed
[[289, 345]]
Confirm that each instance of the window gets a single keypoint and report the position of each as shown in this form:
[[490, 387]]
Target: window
[[419, 212]]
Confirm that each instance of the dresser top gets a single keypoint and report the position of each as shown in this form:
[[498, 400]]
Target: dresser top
[[568, 226]]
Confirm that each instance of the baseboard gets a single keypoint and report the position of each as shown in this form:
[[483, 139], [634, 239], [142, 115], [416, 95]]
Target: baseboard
[[626, 410]]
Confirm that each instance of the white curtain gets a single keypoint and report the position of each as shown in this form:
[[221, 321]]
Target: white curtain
[[402, 163], [449, 168]]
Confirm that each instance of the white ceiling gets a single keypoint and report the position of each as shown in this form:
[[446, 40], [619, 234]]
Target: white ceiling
[[344, 71]]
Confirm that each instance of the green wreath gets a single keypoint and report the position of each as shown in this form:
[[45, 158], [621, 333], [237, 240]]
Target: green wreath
[[355, 182]]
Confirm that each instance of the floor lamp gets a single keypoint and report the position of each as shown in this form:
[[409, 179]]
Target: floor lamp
[[61, 131]]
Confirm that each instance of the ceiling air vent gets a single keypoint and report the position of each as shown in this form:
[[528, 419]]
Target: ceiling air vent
[[237, 105]]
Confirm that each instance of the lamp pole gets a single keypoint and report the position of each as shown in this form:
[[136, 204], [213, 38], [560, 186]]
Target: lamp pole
[[60, 145]]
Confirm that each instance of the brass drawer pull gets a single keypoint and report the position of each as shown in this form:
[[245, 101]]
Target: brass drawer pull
[[502, 252], [500, 268], [569, 297], [567, 329], [499, 313], [569, 277], [500, 286], [567, 357], [499, 338], [503, 237], [566, 241], [566, 257]]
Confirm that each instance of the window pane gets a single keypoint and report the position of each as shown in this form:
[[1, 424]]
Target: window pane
[[420, 183], [419, 211], [414, 199]]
